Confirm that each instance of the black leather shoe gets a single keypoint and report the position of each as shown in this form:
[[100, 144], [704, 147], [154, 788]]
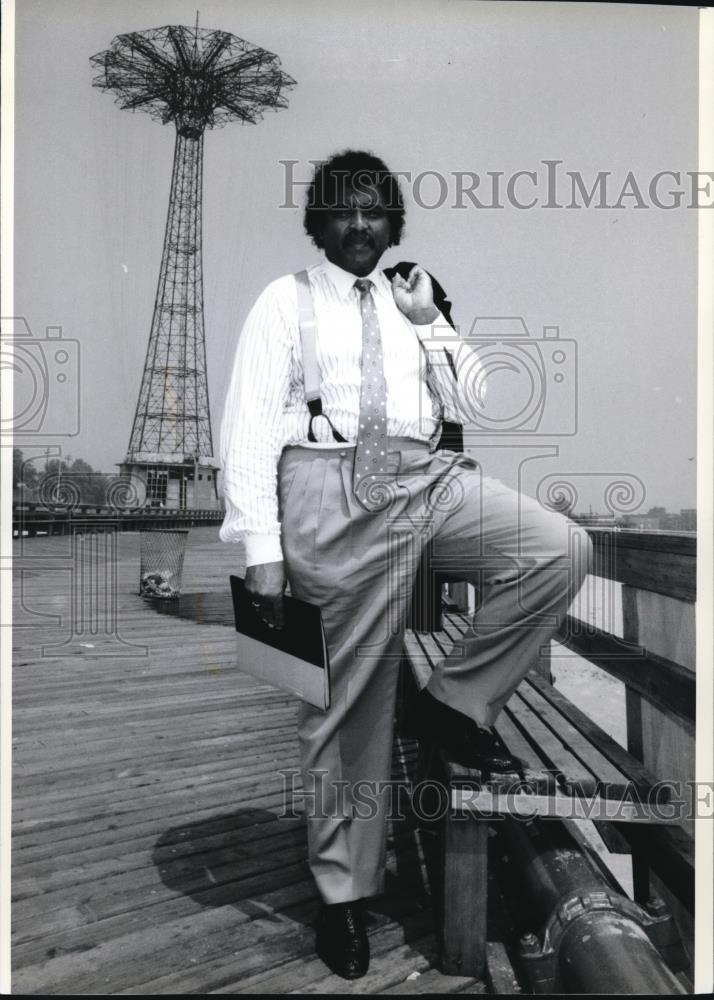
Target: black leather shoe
[[465, 742], [341, 941]]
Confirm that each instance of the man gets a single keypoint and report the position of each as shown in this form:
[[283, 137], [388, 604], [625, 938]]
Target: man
[[345, 516]]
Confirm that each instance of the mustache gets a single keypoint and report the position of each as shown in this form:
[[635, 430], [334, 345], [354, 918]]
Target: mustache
[[353, 239]]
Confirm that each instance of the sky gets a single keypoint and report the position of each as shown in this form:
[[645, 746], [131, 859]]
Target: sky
[[433, 88]]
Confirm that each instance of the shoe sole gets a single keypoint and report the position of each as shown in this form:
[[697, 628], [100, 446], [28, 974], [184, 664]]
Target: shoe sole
[[341, 974]]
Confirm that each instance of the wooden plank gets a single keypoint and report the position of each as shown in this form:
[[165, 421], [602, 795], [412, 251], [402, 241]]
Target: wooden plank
[[451, 631], [570, 772], [659, 563], [604, 770], [162, 907], [635, 745], [458, 620], [170, 743], [30, 809], [664, 742], [497, 799], [533, 770], [614, 841], [669, 851], [464, 902], [204, 742], [207, 886], [654, 542], [275, 969], [52, 944], [618, 756], [125, 817], [104, 749], [436, 645], [114, 965], [500, 974], [665, 684], [576, 831], [53, 877], [386, 968], [101, 833], [435, 983], [115, 863]]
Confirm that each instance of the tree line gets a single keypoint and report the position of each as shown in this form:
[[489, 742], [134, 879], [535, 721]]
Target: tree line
[[33, 484]]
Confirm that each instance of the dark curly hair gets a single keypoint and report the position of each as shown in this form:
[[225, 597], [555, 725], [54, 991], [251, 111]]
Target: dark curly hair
[[357, 170]]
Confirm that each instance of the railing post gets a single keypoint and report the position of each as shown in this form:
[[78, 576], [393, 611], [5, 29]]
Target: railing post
[[635, 735], [664, 625]]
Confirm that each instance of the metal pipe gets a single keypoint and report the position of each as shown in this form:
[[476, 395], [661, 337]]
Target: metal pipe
[[550, 862], [594, 939], [606, 953]]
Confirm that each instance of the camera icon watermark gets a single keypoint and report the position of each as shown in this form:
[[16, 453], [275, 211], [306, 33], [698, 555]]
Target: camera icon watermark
[[506, 382], [45, 380]]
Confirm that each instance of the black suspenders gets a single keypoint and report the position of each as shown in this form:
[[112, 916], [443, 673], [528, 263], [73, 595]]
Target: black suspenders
[[311, 369]]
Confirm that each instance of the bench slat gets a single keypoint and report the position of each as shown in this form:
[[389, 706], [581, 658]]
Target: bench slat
[[560, 748], [496, 798], [533, 771], [571, 772], [540, 780], [436, 644], [623, 760], [615, 780], [450, 629]]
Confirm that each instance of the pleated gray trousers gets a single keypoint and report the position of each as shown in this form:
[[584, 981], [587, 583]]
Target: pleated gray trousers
[[526, 562]]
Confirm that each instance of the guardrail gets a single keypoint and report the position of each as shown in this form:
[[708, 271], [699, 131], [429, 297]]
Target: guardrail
[[658, 573], [655, 660], [30, 520]]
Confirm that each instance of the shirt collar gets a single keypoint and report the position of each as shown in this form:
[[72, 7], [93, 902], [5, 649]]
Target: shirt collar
[[343, 281]]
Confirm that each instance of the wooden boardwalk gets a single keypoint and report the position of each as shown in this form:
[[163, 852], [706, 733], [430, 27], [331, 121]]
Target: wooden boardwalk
[[151, 850]]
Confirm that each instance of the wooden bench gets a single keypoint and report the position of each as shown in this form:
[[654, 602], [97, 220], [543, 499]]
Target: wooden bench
[[571, 769]]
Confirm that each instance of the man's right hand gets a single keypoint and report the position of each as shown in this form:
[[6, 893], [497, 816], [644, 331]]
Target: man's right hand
[[265, 583]]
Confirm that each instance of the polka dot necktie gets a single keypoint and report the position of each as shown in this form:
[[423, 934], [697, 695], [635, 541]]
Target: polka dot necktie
[[370, 468]]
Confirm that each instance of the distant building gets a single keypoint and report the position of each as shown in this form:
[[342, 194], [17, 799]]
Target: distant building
[[594, 520], [643, 522], [688, 518], [659, 519]]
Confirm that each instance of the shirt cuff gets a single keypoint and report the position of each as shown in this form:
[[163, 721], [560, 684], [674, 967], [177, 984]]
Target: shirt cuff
[[262, 549], [439, 330]]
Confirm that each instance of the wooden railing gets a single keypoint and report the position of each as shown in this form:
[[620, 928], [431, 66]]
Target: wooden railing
[[655, 660], [33, 519], [634, 619], [654, 657]]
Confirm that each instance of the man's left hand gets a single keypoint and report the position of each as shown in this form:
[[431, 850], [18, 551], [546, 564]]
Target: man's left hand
[[415, 297]]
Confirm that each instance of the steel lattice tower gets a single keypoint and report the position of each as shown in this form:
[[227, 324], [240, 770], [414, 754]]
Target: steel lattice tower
[[197, 79]]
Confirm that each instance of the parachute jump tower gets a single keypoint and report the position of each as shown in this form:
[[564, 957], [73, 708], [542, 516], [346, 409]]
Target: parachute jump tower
[[195, 79]]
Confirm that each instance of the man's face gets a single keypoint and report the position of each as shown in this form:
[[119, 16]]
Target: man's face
[[355, 231]]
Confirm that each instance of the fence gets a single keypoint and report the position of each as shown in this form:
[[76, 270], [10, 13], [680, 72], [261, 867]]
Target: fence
[[29, 520]]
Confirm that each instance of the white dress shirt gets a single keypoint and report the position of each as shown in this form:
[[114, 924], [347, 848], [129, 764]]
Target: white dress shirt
[[265, 407]]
